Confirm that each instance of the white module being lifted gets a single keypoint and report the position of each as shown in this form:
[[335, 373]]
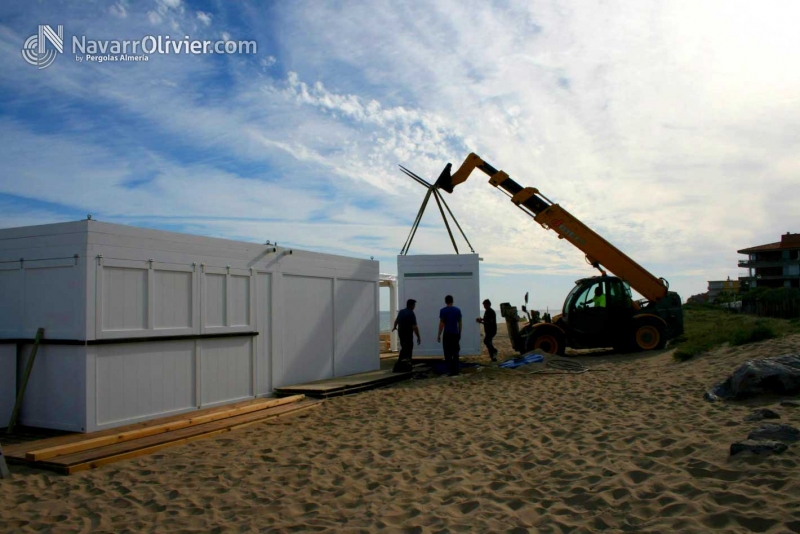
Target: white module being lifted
[[428, 279]]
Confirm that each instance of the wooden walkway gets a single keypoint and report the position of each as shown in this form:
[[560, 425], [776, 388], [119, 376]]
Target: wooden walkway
[[72, 453], [345, 385]]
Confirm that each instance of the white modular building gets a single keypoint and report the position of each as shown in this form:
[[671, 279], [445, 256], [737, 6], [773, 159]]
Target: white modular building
[[141, 323], [428, 279]]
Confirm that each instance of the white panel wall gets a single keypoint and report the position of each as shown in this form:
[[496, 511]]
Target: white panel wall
[[42, 281], [137, 298], [307, 332], [315, 315], [124, 298], [42, 294], [51, 297], [239, 300], [216, 299], [428, 279], [264, 340], [173, 299], [56, 392], [138, 380], [11, 303], [8, 381], [356, 327], [226, 372], [227, 300]]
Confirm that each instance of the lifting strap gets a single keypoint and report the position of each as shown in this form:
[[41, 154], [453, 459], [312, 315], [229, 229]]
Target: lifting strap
[[432, 190]]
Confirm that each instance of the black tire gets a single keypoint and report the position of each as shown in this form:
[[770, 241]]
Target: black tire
[[548, 340], [648, 334]]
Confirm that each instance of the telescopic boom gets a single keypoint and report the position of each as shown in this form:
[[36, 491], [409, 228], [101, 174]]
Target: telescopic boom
[[599, 252]]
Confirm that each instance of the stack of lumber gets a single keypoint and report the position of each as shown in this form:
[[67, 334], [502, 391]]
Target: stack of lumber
[[345, 385], [79, 452]]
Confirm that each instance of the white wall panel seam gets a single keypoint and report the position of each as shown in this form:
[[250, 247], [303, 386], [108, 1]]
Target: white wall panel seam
[[151, 290], [98, 298], [334, 324]]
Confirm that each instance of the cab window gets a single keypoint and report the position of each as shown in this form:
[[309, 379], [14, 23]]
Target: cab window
[[583, 299]]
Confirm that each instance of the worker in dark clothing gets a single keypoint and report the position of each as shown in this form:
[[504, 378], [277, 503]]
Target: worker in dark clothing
[[450, 326], [489, 322], [406, 326]]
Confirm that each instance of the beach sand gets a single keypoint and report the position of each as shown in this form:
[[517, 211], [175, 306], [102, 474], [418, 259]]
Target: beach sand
[[633, 448]]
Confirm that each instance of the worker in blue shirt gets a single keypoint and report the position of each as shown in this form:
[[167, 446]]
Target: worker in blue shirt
[[450, 326]]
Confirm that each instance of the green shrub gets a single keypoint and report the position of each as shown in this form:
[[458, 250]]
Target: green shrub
[[682, 355], [759, 332], [689, 349], [707, 328]]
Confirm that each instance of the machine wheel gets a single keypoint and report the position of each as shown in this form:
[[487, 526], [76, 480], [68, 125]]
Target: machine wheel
[[649, 334], [548, 340]]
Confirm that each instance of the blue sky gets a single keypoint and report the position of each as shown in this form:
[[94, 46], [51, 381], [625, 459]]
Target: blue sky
[[671, 128]]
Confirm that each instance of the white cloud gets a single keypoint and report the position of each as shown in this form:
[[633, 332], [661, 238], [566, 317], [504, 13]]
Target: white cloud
[[47, 168], [169, 4], [119, 10], [203, 17], [646, 127], [668, 128]]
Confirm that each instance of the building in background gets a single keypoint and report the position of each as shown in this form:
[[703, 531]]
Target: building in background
[[717, 287], [773, 265]]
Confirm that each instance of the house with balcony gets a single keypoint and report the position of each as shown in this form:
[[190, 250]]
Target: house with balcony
[[774, 264], [716, 287]]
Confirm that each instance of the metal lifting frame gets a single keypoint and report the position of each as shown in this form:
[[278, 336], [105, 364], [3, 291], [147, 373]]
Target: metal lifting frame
[[432, 190]]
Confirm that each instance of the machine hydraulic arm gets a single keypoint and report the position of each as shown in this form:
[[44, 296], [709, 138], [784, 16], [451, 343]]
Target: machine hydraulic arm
[[599, 252]]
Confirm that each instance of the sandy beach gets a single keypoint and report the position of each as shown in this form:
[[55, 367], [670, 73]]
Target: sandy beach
[[629, 447]]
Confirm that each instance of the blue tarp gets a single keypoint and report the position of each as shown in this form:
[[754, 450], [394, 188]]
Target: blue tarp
[[522, 360]]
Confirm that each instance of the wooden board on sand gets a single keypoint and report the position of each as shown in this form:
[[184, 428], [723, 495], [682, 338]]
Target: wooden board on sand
[[19, 450], [89, 451], [346, 384]]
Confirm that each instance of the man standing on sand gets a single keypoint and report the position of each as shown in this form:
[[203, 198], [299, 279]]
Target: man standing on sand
[[406, 325], [450, 325], [489, 322]]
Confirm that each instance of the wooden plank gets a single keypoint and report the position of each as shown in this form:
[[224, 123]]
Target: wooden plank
[[153, 448], [59, 450], [340, 382], [347, 385], [359, 378], [312, 387], [398, 377], [149, 441], [19, 450]]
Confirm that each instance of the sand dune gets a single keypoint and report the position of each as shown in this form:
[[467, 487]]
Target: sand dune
[[632, 448]]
